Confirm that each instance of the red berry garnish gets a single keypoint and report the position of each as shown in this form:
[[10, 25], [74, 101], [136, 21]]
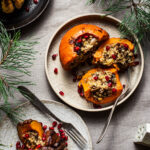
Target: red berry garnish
[[107, 48], [61, 93], [54, 123], [62, 134], [96, 78], [79, 41], [18, 144], [30, 149], [55, 70], [54, 56], [63, 137], [82, 94], [66, 144], [59, 126], [86, 36], [44, 127], [61, 131], [114, 56], [38, 146], [27, 9], [58, 134], [114, 90], [126, 46], [44, 135], [107, 78], [66, 138], [110, 84], [35, 1], [77, 48], [26, 135], [51, 128], [43, 138]]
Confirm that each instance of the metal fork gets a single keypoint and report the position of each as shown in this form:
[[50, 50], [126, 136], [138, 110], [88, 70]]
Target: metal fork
[[69, 128], [113, 109]]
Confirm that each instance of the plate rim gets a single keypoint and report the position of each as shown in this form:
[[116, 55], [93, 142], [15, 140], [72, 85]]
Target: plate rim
[[55, 102], [46, 62], [26, 24]]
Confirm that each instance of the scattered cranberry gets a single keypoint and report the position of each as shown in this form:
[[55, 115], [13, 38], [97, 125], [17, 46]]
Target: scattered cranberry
[[96, 78], [54, 56], [38, 146], [63, 137], [23, 146], [54, 123], [41, 123], [43, 138], [59, 126], [66, 144], [79, 41], [63, 134], [35, 1], [61, 93], [26, 135], [110, 84], [61, 131], [44, 135], [18, 144], [44, 127], [27, 9], [114, 90], [55, 70], [107, 78], [114, 56], [126, 46], [58, 134], [66, 138], [86, 36], [77, 48], [107, 48], [51, 128]]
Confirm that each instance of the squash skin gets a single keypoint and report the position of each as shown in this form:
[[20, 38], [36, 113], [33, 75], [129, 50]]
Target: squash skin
[[86, 87], [98, 54], [29, 125], [66, 48]]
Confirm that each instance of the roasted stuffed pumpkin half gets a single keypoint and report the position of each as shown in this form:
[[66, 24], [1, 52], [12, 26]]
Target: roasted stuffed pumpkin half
[[79, 43], [8, 6], [115, 52], [100, 86]]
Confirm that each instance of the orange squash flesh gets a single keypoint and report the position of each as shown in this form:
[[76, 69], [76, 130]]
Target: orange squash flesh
[[99, 53], [66, 48], [86, 87], [29, 125]]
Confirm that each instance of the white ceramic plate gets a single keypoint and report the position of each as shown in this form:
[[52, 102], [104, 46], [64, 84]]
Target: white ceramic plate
[[8, 132], [63, 80]]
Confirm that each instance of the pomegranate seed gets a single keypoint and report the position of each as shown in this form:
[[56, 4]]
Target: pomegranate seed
[[44, 135], [66, 138], [58, 134], [66, 144], [30, 149], [61, 93], [86, 36], [63, 134], [18, 145], [95, 78], [126, 46], [110, 84], [26, 135], [114, 90], [79, 41], [41, 123], [114, 56], [35, 1], [107, 78], [82, 94], [61, 131], [77, 48], [55, 70], [136, 63], [23, 146], [51, 128], [63, 137], [43, 138], [27, 9], [54, 56], [54, 124], [107, 48], [59, 126], [38, 146], [44, 127]]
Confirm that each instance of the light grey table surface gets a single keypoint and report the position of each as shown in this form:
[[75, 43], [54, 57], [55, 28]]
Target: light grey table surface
[[127, 117]]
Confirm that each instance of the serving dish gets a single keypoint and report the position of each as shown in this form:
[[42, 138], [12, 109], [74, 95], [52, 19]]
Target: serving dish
[[26, 15], [29, 112], [62, 81]]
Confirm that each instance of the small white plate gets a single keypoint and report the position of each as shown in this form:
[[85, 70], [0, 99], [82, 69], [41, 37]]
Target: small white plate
[[8, 132], [63, 80]]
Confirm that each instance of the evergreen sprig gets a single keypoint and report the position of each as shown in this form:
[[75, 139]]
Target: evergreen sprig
[[136, 18]]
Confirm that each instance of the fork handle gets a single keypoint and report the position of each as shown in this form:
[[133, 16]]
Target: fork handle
[[108, 121]]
